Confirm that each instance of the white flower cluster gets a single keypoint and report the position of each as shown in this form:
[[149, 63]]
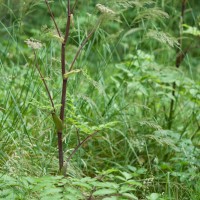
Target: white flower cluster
[[105, 10], [34, 44]]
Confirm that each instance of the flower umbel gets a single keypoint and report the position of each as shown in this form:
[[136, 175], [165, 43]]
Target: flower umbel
[[105, 10], [33, 43]]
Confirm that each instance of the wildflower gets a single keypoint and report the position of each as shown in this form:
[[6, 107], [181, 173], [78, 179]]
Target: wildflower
[[105, 10], [34, 44]]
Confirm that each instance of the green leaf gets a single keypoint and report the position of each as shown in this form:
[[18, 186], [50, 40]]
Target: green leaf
[[126, 188], [104, 191], [196, 140], [127, 175], [57, 121], [81, 184], [52, 197], [153, 196], [2, 109], [66, 75], [110, 198], [110, 185], [133, 182], [51, 191], [191, 30], [130, 196], [72, 194]]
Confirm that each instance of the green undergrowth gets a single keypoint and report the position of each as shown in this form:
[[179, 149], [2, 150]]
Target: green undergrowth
[[126, 94], [108, 185]]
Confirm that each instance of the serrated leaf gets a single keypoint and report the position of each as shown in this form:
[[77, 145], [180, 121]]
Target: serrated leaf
[[72, 194], [110, 185], [104, 191], [127, 175], [133, 182], [81, 184], [126, 188], [51, 191], [131, 196]]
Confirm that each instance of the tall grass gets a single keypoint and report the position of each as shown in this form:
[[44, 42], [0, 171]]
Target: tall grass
[[118, 100]]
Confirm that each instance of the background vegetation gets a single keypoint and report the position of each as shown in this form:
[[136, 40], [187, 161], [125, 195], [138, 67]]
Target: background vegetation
[[137, 87]]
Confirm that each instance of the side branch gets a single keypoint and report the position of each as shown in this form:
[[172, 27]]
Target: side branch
[[179, 59], [83, 44], [53, 18], [76, 149], [44, 82]]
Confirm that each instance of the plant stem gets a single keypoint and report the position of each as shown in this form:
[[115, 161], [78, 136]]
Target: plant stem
[[179, 58], [64, 87], [64, 83], [44, 82], [83, 44], [72, 10], [76, 149], [52, 17]]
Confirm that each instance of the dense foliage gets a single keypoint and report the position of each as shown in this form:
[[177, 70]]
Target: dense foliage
[[133, 100]]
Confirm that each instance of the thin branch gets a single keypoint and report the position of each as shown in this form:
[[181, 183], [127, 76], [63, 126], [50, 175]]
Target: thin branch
[[78, 135], [44, 82], [180, 56], [60, 150], [80, 48], [83, 44], [183, 8], [76, 149], [179, 59], [72, 10], [64, 85], [68, 24], [53, 18]]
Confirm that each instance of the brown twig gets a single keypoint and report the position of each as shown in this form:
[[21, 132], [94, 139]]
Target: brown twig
[[83, 44], [179, 59], [64, 84], [72, 10], [53, 18], [183, 8], [76, 149], [78, 135]]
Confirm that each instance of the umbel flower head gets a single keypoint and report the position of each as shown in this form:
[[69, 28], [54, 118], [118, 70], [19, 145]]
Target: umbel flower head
[[33, 43]]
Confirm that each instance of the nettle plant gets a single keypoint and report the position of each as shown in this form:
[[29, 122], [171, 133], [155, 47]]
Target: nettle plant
[[67, 70]]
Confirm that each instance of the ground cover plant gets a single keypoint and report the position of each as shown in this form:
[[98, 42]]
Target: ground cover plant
[[99, 99]]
